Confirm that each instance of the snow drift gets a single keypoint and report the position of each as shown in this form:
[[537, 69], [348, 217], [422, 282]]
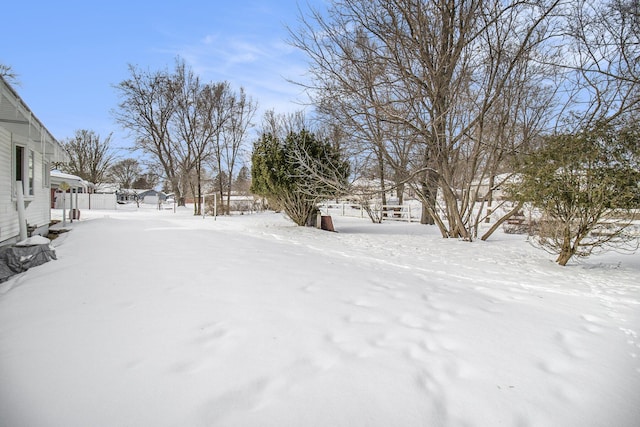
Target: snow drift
[[155, 318]]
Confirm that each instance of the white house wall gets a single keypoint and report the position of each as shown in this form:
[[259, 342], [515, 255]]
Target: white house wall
[[18, 126], [38, 207], [8, 213]]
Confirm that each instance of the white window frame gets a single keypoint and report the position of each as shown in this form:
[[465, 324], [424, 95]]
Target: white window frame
[[27, 171], [31, 173]]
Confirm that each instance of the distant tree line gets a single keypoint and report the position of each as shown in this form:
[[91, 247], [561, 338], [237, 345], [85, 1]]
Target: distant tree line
[[193, 131], [90, 156], [93, 159], [451, 99], [457, 98]]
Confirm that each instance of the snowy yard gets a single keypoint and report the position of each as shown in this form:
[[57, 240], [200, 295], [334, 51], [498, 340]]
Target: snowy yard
[[156, 318]]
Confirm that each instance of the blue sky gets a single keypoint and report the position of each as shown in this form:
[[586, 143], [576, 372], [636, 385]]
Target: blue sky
[[69, 54]]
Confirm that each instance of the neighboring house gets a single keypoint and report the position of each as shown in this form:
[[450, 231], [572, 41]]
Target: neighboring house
[[483, 188], [243, 203], [107, 188], [27, 152], [149, 197], [128, 195], [152, 197]]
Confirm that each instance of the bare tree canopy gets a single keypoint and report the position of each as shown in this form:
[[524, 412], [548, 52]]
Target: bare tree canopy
[[185, 125], [148, 103], [233, 117], [89, 156], [600, 64], [125, 172], [446, 94], [6, 71]]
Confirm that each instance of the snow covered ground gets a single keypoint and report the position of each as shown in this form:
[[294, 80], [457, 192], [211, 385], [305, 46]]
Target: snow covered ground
[[156, 318]]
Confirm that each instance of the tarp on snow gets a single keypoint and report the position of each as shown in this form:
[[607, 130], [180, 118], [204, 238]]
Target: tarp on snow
[[24, 255]]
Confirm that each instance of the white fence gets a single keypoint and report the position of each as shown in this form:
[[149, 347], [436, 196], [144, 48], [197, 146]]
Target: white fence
[[86, 201], [405, 212]]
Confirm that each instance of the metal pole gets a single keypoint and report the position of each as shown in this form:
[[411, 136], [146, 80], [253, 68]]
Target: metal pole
[[71, 205], [64, 209]]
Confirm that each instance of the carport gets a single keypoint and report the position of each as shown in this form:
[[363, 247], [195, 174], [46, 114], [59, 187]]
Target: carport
[[63, 183]]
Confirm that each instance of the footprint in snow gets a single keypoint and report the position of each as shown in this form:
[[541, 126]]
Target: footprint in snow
[[210, 334]]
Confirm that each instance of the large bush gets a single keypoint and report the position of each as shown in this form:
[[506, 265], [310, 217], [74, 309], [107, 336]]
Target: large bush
[[587, 186], [297, 173]]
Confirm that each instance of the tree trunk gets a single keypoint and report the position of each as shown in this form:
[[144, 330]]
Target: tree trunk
[[198, 168], [400, 193], [429, 191], [175, 187], [492, 180], [200, 206], [565, 256], [567, 250], [383, 184], [501, 221], [196, 201], [457, 228]]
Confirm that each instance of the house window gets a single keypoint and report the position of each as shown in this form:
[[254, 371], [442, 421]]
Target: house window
[[32, 172], [19, 165], [24, 169]]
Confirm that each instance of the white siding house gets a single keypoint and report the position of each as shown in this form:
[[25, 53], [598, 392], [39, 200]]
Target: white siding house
[[27, 151]]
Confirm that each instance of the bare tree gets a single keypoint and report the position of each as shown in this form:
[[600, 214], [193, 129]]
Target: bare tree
[[242, 182], [148, 104], [350, 89], [601, 69], [446, 65], [188, 129], [125, 172], [201, 113], [148, 179], [234, 133], [187, 126], [6, 71], [218, 112], [89, 156]]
